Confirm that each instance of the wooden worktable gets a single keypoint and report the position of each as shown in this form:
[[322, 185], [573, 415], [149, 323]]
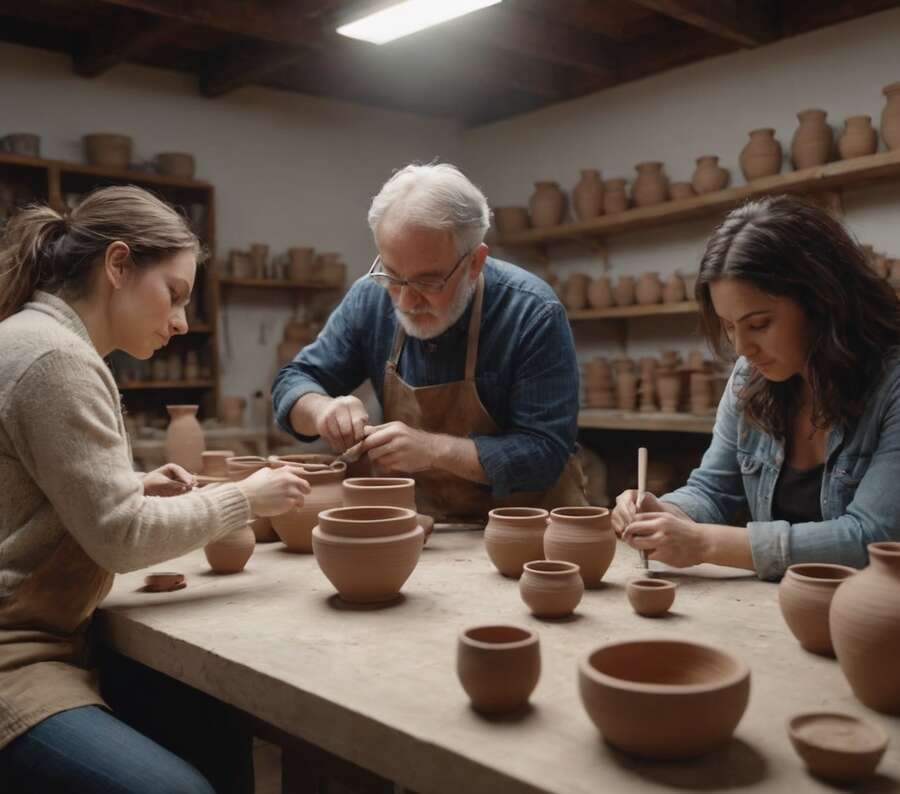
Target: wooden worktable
[[379, 687]]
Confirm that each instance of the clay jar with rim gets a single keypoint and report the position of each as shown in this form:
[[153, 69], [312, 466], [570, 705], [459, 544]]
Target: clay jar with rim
[[865, 629], [389, 491], [367, 553], [615, 197], [229, 554], [511, 219], [498, 666], [514, 536], [587, 196], [804, 596], [547, 205], [582, 535], [651, 185], [649, 289], [890, 116], [651, 597], [761, 156], [184, 442], [837, 746], [295, 526], [858, 138], [575, 292], [813, 142], [709, 176], [624, 291], [600, 294], [642, 694], [674, 289], [551, 588], [239, 468]]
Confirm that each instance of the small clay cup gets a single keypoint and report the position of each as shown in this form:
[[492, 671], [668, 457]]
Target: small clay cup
[[837, 746], [163, 581], [804, 596], [551, 588], [651, 597], [498, 666]]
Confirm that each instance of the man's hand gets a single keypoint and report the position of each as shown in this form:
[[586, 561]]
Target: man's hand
[[340, 421], [168, 480], [397, 447]]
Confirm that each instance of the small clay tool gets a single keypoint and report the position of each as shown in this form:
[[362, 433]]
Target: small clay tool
[[642, 489], [164, 582]]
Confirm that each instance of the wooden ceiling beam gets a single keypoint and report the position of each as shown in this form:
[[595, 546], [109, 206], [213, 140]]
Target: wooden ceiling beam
[[750, 23]]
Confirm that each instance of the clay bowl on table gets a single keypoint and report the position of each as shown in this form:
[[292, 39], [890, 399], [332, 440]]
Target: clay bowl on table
[[804, 596], [664, 699], [389, 491], [551, 588], [367, 553], [498, 666], [837, 746], [651, 597]]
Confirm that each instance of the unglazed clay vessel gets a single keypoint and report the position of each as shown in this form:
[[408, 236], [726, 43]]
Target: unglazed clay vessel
[[649, 289], [108, 149], [547, 204], [295, 527], [709, 176], [615, 197], [664, 699], [623, 292], [511, 219], [514, 536], [890, 116], [651, 597], [229, 554], [367, 553], [575, 291], [668, 389], [600, 294], [651, 185], [179, 164], [239, 468], [858, 139], [813, 142], [389, 491], [837, 746], [587, 197], [582, 535], [184, 438], [551, 589], [674, 289], [762, 155], [498, 667], [865, 629], [681, 190], [626, 391], [804, 596]]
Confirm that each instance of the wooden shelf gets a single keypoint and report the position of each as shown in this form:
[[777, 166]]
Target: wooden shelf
[[269, 283], [595, 418], [166, 384], [625, 312], [832, 176]]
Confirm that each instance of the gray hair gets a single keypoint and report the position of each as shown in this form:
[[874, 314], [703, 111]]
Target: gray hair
[[435, 196]]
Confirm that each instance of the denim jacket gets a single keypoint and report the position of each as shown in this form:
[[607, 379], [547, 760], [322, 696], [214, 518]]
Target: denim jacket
[[860, 496]]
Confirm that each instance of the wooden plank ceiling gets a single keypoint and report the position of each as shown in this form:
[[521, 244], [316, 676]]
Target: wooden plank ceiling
[[504, 60]]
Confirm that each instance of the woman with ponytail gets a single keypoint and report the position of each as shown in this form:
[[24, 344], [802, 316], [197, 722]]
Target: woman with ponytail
[[114, 274]]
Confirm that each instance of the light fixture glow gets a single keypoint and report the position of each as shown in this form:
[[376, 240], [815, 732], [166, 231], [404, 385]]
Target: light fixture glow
[[408, 17]]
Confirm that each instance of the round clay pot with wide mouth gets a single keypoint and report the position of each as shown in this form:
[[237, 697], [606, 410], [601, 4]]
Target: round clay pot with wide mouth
[[584, 536], [389, 491], [229, 554], [804, 596], [514, 536], [295, 527], [551, 588], [651, 597]]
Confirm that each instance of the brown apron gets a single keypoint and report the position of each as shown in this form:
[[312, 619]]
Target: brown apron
[[455, 409]]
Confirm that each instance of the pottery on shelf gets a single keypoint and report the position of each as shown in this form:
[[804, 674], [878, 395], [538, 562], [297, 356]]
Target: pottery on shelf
[[761, 156], [813, 142], [587, 196], [858, 139], [514, 536], [804, 596], [624, 291], [180, 164], [26, 144], [551, 588], [110, 150], [547, 205], [651, 185], [626, 390], [837, 746], [300, 264], [664, 699], [674, 289], [582, 535], [865, 629], [668, 388], [615, 198], [575, 291], [389, 491], [600, 294], [709, 176], [498, 667], [229, 554], [184, 442], [509, 220], [367, 553], [295, 526], [240, 264], [890, 116], [649, 289], [681, 190], [651, 597]]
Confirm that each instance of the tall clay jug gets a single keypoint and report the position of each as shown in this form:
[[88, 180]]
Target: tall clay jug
[[890, 116], [761, 156], [184, 442], [587, 197], [547, 204], [813, 142]]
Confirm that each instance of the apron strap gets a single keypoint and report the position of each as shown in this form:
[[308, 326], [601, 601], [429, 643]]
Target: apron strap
[[474, 330], [399, 339]]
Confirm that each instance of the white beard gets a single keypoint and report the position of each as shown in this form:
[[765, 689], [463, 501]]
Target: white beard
[[456, 309]]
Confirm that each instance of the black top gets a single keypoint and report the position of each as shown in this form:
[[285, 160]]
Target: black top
[[797, 495]]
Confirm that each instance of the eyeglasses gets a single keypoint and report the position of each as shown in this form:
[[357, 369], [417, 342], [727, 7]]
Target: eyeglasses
[[426, 285]]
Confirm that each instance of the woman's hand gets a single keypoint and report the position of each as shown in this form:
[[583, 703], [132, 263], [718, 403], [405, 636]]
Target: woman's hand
[[168, 480], [674, 540], [626, 509], [272, 492]]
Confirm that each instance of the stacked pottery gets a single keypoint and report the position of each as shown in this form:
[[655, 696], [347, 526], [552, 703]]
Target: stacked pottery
[[624, 291], [599, 391], [674, 289], [651, 185], [649, 289], [668, 381], [813, 142], [890, 116], [709, 176], [386, 492], [681, 190], [295, 526], [551, 589], [329, 270], [514, 536], [300, 264], [647, 386], [626, 390], [511, 219], [575, 291], [600, 295], [805, 595], [761, 156], [865, 628], [547, 204], [239, 468], [858, 139], [650, 597], [587, 197], [615, 198], [184, 442], [701, 393], [584, 536], [367, 553]]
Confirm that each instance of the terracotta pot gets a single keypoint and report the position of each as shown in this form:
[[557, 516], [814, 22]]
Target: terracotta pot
[[650, 597], [498, 667], [709, 176], [389, 491], [865, 629], [600, 294], [109, 150], [813, 142], [215, 462], [668, 388], [300, 264], [575, 292], [510, 220], [837, 746], [514, 536], [804, 596], [664, 699], [367, 553], [259, 255], [615, 198], [626, 390], [178, 164], [651, 185], [701, 392], [184, 442], [858, 139], [239, 468], [295, 527], [581, 535], [673, 289], [25, 144], [761, 156], [230, 553], [547, 204], [233, 411], [240, 264], [551, 589], [681, 190], [890, 116], [649, 289], [587, 197], [624, 291]]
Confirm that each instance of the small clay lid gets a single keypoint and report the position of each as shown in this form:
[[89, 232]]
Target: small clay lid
[[837, 746], [164, 581]]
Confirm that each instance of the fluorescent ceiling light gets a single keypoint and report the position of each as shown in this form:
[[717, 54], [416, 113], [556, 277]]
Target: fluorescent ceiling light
[[408, 17]]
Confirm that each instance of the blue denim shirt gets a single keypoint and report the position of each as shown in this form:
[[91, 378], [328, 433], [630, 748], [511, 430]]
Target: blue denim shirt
[[526, 373], [860, 496]]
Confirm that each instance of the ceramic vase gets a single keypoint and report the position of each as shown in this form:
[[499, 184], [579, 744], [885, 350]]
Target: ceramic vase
[[651, 185], [615, 197], [514, 536], [229, 554], [709, 176], [389, 491], [600, 294], [761, 156], [498, 667], [858, 139], [584, 536], [649, 289], [295, 527], [184, 442], [673, 289], [804, 595], [624, 291], [510, 220], [813, 142], [575, 292], [547, 204], [551, 589], [890, 116], [587, 197]]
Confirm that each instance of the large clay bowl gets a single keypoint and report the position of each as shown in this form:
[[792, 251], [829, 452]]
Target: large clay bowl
[[804, 596], [498, 666], [367, 553], [664, 699], [390, 491], [837, 746]]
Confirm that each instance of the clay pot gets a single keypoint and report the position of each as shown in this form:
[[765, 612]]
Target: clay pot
[[587, 197], [681, 190], [184, 442], [498, 667], [600, 294], [651, 597], [858, 139], [300, 264], [215, 462], [890, 116], [295, 527], [761, 156], [230, 553], [651, 185], [837, 746], [626, 391], [709, 176], [178, 164], [865, 629], [664, 699], [701, 392], [389, 491], [581, 535], [547, 204], [551, 589], [615, 198], [649, 289], [624, 291], [111, 151], [240, 264], [673, 289], [668, 387], [514, 536], [804, 596], [259, 256], [233, 411], [239, 468], [25, 144], [510, 220], [575, 292], [367, 553], [813, 142]]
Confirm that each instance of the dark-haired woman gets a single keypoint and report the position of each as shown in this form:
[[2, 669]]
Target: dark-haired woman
[[114, 274], [807, 434]]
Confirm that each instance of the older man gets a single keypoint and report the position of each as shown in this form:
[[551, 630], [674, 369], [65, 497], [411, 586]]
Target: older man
[[471, 358]]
